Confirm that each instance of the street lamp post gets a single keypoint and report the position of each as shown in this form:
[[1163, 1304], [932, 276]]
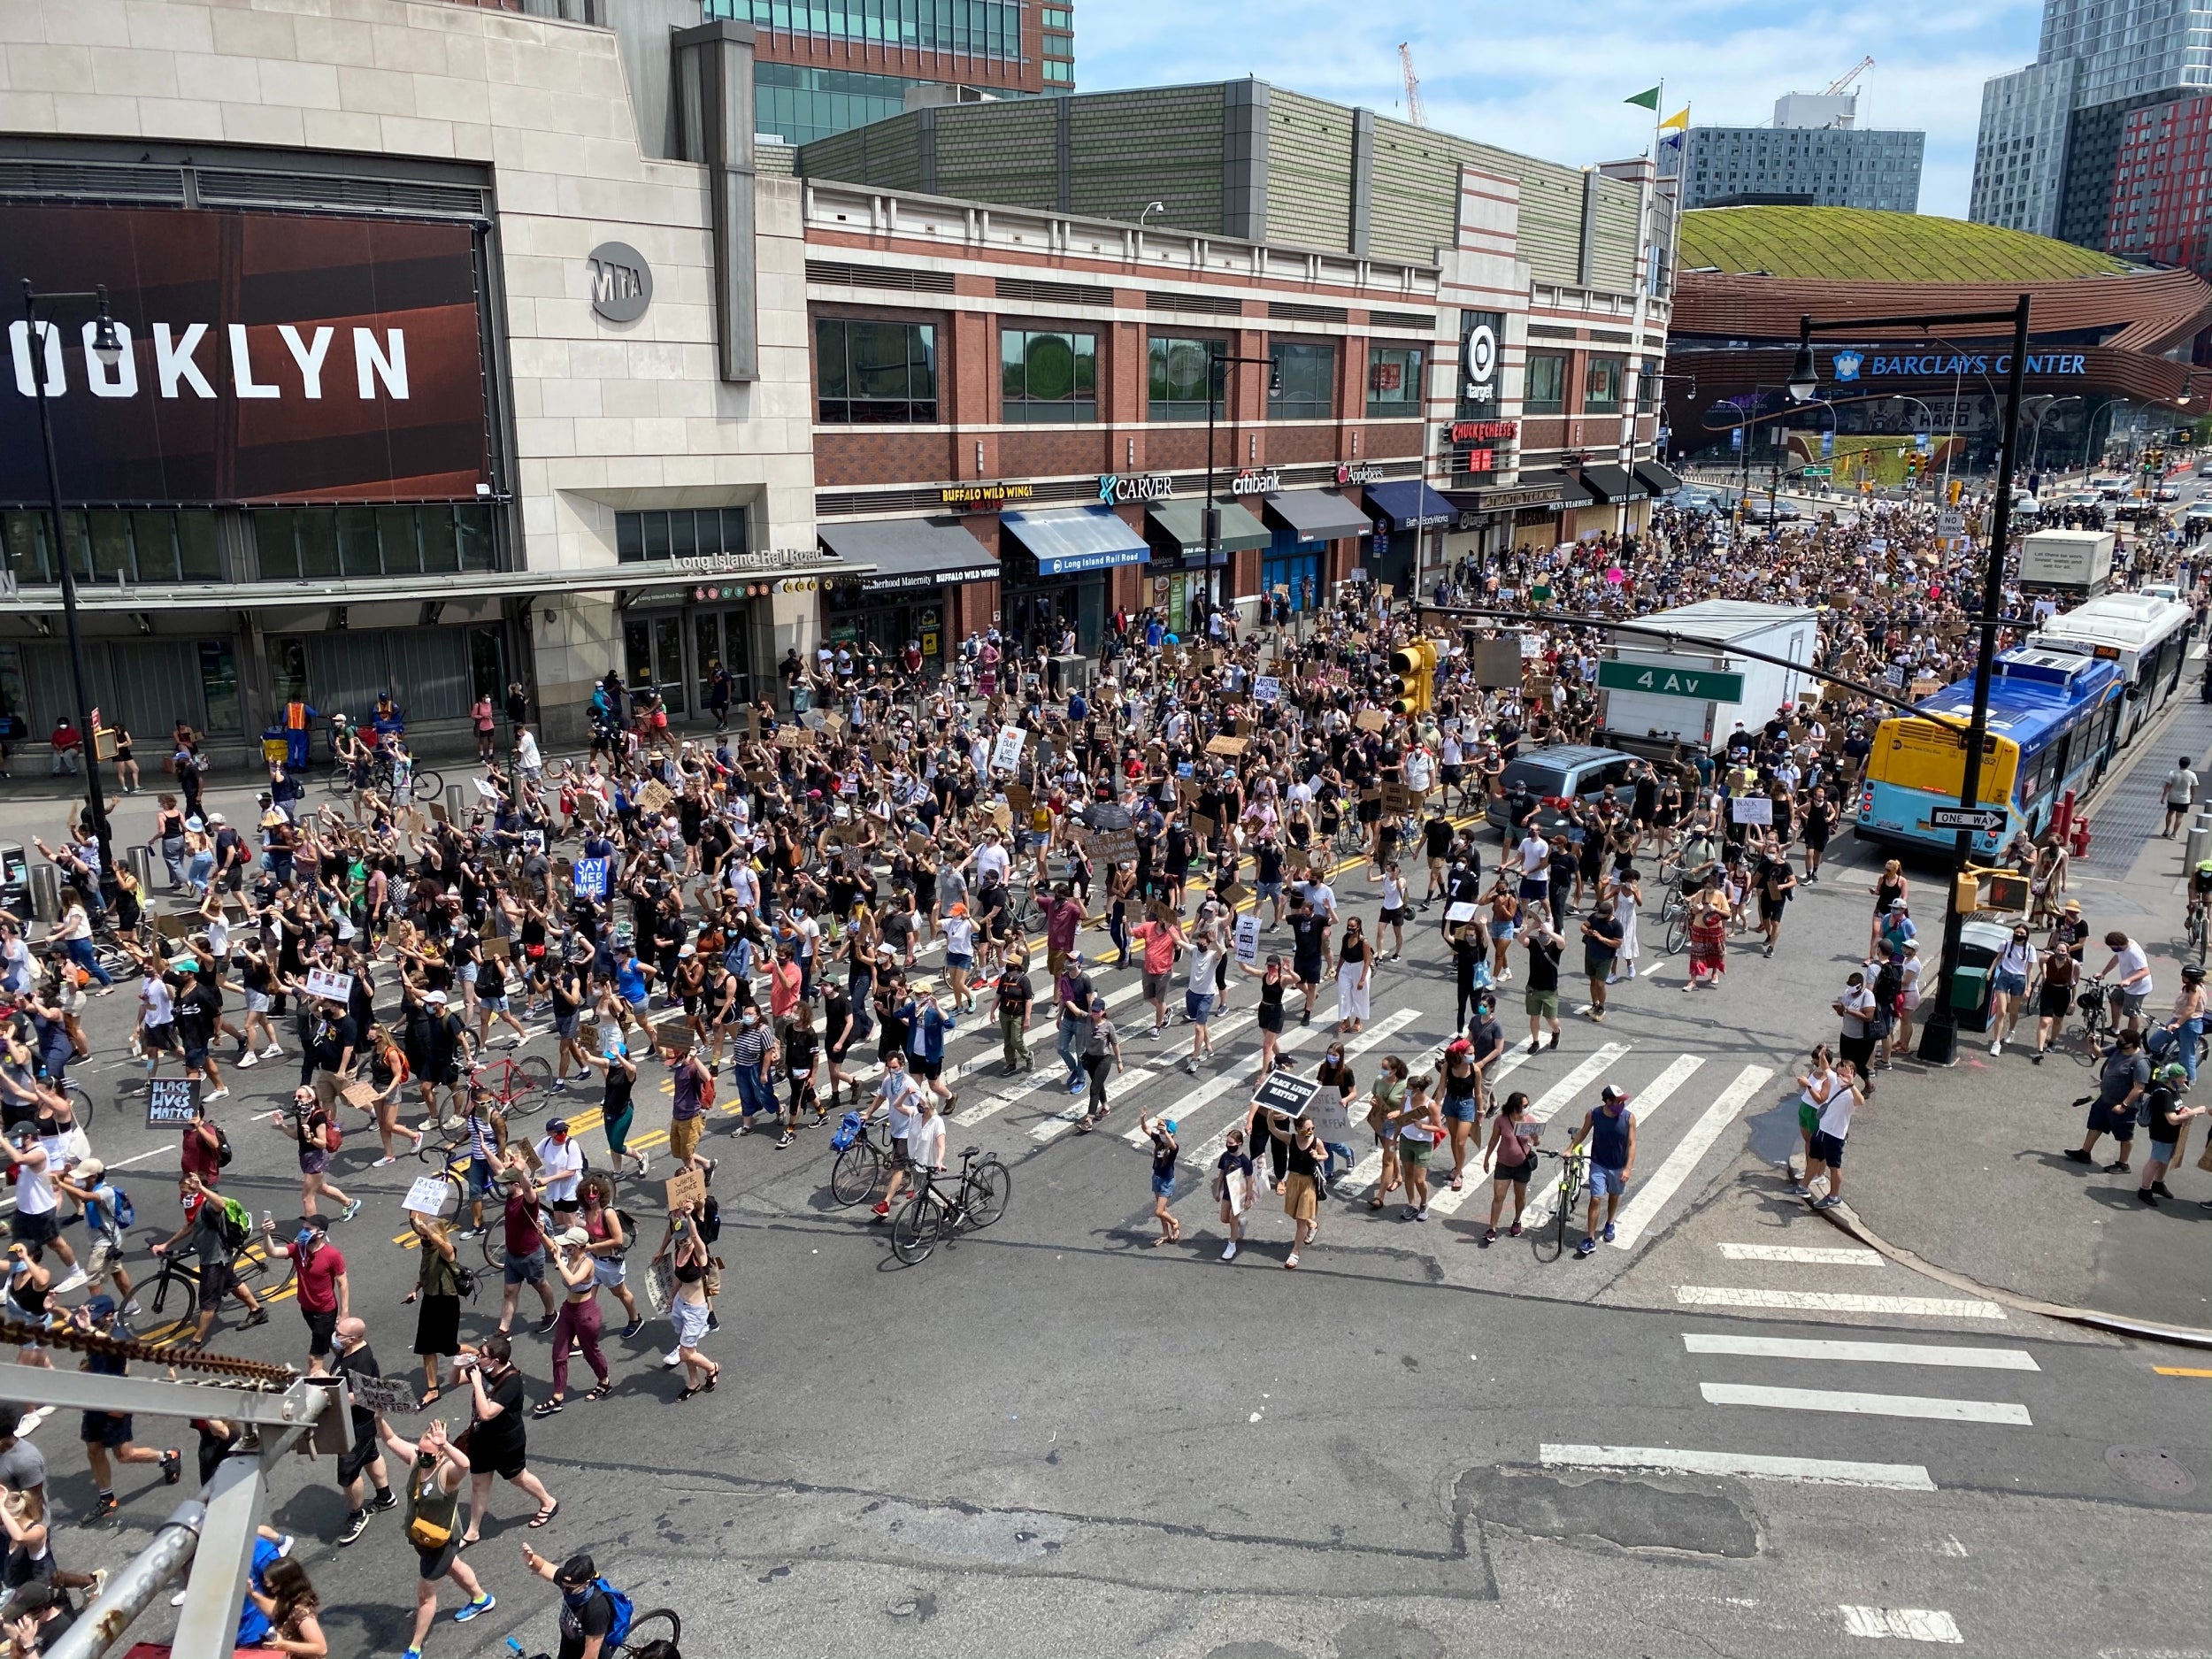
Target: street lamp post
[[1938, 1041], [44, 346], [2108, 408], [2035, 458], [1216, 364]]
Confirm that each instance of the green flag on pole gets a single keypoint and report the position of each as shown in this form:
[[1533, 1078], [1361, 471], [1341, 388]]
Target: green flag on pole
[[1649, 100]]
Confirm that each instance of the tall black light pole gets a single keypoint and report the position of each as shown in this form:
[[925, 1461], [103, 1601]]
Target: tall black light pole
[[109, 350], [1939, 1040], [1216, 364]]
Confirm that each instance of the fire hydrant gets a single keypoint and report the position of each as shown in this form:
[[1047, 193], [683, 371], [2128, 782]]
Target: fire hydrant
[[2077, 838]]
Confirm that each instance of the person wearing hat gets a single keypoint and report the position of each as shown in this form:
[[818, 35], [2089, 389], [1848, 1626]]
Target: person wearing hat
[[557, 1160], [319, 1271], [2164, 1120], [107, 1434], [1610, 1129], [578, 1323]]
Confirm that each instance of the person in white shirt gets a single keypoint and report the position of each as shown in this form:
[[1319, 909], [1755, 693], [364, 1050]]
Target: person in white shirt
[[991, 858], [1835, 1124], [560, 1161], [2180, 792], [2133, 964], [1816, 1086], [899, 1097], [926, 1139], [527, 755]]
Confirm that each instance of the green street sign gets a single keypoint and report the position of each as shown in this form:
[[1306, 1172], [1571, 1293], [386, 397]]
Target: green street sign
[[1706, 685], [1819, 471]]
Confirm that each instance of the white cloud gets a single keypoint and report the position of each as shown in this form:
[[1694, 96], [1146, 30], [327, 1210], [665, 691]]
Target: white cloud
[[1550, 82]]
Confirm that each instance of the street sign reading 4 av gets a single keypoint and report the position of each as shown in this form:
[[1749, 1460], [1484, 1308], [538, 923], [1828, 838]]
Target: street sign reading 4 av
[[1981, 820], [1707, 685]]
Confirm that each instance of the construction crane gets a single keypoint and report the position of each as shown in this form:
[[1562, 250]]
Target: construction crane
[[1848, 77], [1413, 86]]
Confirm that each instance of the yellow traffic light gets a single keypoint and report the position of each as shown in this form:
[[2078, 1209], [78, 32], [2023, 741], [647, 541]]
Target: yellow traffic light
[[1414, 664], [1958, 487]]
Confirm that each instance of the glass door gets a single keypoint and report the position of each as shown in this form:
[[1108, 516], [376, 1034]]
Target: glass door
[[653, 656]]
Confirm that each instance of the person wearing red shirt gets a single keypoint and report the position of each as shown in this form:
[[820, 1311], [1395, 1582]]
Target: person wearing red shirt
[[325, 1296], [201, 1152]]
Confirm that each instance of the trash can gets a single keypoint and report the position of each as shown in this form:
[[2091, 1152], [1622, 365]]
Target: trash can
[[15, 881], [45, 885], [140, 858], [1980, 944], [457, 805]]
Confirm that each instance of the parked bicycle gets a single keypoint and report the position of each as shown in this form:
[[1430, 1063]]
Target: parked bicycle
[[977, 1200], [864, 1155], [510, 1088]]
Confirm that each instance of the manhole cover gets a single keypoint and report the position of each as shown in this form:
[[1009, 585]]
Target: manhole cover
[[2151, 1469]]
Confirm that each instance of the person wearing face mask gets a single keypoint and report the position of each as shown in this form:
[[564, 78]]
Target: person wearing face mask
[[752, 1062], [594, 1618], [2008, 987], [558, 1162], [324, 1294]]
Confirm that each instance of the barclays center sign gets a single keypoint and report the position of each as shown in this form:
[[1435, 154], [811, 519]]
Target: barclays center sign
[[1857, 367]]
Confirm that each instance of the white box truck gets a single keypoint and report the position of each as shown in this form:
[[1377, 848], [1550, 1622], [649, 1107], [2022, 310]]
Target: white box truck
[[1692, 689], [2078, 562]]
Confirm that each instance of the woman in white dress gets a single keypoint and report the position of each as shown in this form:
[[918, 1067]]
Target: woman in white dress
[[1627, 895], [1355, 967]]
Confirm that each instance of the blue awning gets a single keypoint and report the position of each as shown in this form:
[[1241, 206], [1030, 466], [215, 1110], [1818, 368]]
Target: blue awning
[[1409, 504], [1067, 540]]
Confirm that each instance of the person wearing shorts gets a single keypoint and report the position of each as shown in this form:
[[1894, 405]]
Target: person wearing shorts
[[1608, 1128], [433, 1495], [2122, 1077]]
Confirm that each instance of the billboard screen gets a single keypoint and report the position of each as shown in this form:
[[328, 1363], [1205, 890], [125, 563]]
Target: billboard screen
[[267, 357]]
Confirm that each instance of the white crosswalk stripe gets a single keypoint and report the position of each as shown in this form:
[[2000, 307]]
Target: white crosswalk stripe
[[1037, 1037], [1826, 1255], [1865, 1404], [1873, 1353], [1645, 1103], [1644, 1205], [1820, 1471], [1835, 1302], [1906, 1623], [1442, 1200]]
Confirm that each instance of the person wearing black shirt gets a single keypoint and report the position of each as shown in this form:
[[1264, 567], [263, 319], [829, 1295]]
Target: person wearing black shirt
[[1601, 936], [365, 1455], [1309, 950], [1165, 1147], [498, 1437], [1016, 992], [1541, 997], [586, 1618], [1436, 843]]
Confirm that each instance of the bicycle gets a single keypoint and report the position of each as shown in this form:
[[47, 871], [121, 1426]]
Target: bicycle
[[424, 784], [2196, 928], [864, 1155], [644, 1640], [980, 1199], [1550, 1243], [179, 1274], [522, 1087], [2093, 1000]]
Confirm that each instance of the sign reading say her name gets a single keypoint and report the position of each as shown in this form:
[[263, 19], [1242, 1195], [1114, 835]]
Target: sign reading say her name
[[591, 877]]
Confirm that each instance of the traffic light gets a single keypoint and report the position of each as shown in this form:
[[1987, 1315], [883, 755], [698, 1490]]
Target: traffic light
[[1958, 489], [1912, 466], [1414, 664]]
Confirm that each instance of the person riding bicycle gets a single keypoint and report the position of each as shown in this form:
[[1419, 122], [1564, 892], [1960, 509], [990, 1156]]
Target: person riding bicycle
[[2199, 891], [350, 749]]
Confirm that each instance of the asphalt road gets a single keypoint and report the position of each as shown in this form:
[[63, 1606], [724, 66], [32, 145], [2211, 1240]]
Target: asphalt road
[[1728, 1433]]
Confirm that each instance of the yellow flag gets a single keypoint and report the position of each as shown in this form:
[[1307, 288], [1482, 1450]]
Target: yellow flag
[[1680, 123]]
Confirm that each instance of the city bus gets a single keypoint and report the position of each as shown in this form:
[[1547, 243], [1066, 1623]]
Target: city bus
[[2054, 723], [2146, 634]]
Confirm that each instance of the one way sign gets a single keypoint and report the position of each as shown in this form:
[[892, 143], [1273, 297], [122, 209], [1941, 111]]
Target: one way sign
[[1982, 820]]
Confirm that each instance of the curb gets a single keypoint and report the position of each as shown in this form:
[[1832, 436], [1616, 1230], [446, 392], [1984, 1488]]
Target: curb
[[1846, 1221]]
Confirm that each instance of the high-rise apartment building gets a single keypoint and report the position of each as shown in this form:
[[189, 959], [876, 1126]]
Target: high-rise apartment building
[[826, 66], [2093, 141], [1812, 156]]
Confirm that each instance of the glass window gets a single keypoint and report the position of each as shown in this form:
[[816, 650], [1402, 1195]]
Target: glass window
[[219, 675], [110, 545], [1647, 387], [1177, 374], [1059, 71], [357, 553], [199, 548], [1394, 381], [1048, 375], [440, 552], [15, 697], [473, 526], [655, 535], [395, 540], [1601, 386], [875, 373], [1307, 376], [27, 549], [154, 545], [1546, 393]]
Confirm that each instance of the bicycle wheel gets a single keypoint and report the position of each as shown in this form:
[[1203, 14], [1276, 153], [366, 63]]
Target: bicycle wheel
[[339, 779], [531, 1084], [172, 1272], [1670, 866], [428, 785], [494, 1244], [1678, 932], [989, 1188], [1549, 1241], [914, 1230], [660, 1625], [79, 1102], [1671, 906], [854, 1174]]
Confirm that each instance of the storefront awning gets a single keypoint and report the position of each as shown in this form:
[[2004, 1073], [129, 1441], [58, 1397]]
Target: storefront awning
[[1408, 504], [1069, 541], [1570, 494], [1184, 524], [1610, 483], [1317, 515], [910, 553], [1656, 479]]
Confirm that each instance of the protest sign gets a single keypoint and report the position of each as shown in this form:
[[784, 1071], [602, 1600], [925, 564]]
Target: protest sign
[[171, 1102]]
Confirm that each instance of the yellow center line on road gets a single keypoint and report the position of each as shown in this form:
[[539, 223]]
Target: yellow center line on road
[[2178, 1370]]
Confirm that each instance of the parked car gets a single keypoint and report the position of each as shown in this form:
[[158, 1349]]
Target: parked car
[[2166, 492], [1556, 775]]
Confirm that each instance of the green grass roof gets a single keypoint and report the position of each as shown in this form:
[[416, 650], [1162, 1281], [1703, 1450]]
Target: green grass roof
[[1858, 244]]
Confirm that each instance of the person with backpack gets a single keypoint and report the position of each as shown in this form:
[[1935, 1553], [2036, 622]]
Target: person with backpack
[[595, 1617], [434, 1504], [215, 1229], [314, 1125], [108, 1210]]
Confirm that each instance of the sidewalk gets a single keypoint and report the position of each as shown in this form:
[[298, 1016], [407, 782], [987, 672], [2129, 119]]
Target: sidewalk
[[1965, 1167]]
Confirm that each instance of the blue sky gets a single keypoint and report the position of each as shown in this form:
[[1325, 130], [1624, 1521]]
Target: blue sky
[[1550, 81]]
